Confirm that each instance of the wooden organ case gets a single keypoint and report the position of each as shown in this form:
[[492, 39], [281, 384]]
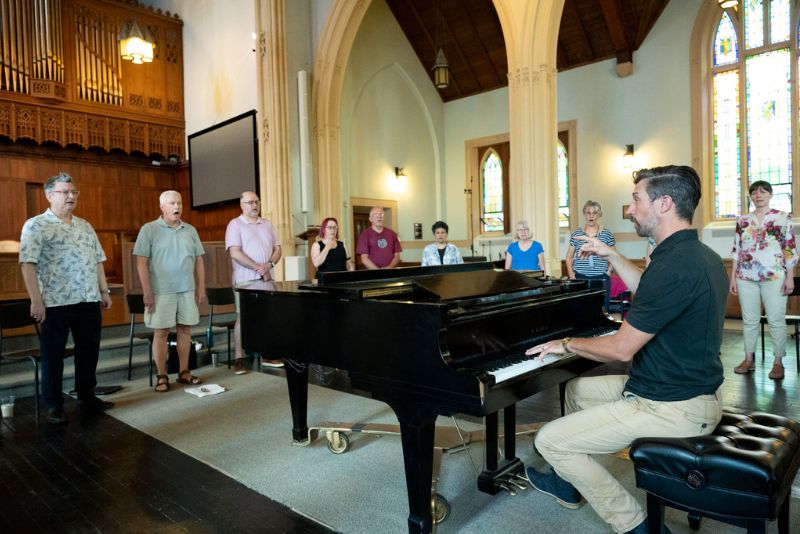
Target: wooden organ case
[[63, 81]]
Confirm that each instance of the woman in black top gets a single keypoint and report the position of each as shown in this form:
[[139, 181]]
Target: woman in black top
[[328, 253]]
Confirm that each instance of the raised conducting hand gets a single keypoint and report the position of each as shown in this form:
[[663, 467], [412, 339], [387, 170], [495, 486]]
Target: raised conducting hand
[[593, 246]]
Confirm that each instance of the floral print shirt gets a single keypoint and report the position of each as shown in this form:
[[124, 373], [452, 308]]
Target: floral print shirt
[[764, 252], [66, 258]]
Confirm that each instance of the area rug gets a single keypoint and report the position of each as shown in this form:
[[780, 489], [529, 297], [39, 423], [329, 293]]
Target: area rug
[[245, 433]]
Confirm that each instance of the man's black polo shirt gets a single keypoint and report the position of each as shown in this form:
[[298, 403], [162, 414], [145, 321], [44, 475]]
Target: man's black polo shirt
[[681, 299]]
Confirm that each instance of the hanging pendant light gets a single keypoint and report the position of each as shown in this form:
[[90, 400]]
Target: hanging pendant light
[[725, 4], [441, 71], [441, 67]]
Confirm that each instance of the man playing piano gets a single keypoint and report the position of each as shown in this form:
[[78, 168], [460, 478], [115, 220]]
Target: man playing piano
[[671, 335]]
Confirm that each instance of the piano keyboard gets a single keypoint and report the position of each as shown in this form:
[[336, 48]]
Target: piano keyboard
[[525, 364]]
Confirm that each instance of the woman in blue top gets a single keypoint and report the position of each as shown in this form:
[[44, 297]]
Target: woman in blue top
[[525, 254]]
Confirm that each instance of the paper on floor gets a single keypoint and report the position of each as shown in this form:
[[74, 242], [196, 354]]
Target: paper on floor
[[205, 390]]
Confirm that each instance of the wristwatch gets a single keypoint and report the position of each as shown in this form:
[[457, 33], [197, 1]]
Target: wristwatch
[[565, 343], [271, 264]]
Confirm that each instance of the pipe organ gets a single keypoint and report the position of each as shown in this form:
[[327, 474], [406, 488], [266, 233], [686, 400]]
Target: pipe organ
[[62, 79]]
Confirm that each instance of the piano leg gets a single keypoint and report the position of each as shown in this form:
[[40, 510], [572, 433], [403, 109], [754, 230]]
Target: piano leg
[[297, 381], [417, 427], [510, 430]]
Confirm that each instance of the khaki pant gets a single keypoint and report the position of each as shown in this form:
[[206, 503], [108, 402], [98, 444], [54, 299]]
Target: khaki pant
[[604, 418], [751, 295]]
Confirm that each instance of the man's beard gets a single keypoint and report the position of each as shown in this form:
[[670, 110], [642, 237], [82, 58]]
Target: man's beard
[[644, 229]]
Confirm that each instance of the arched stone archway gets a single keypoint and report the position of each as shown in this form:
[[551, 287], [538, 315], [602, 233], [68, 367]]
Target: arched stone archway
[[530, 29]]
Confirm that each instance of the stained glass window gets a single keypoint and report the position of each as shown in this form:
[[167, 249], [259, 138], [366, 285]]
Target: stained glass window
[[779, 23], [769, 132], [726, 46], [753, 23], [492, 188], [726, 144], [562, 165], [753, 97]]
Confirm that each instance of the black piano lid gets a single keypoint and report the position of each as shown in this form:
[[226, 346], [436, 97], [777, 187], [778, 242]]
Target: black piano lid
[[468, 285]]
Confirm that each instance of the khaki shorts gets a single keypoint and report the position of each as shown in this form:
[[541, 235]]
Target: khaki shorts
[[236, 293], [172, 309]]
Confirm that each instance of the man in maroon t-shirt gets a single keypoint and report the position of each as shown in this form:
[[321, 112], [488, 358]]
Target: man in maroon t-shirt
[[378, 246]]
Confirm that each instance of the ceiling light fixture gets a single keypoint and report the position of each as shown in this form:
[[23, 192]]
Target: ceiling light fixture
[[441, 68], [725, 4]]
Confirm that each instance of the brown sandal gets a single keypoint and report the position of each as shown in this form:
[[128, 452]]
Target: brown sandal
[[191, 379], [162, 383]]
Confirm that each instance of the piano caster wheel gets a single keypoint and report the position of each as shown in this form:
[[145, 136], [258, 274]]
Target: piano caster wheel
[[440, 508], [338, 442]]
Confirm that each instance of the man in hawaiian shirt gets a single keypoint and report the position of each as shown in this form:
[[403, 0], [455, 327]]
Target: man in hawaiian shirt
[[62, 266]]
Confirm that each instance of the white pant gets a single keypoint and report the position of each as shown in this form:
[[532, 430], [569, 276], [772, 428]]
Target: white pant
[[751, 296], [603, 418]]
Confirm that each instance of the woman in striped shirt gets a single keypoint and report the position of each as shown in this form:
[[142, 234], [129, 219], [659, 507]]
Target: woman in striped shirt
[[593, 267]]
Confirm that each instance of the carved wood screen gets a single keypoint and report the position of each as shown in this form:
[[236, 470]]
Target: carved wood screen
[[63, 82]]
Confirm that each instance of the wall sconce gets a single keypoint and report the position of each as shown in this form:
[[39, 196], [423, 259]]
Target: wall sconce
[[725, 4], [399, 172], [628, 157], [134, 45]]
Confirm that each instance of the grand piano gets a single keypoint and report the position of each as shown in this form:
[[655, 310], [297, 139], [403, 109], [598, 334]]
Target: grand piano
[[428, 341]]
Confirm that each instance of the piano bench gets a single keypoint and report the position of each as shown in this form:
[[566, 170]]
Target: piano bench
[[740, 474]]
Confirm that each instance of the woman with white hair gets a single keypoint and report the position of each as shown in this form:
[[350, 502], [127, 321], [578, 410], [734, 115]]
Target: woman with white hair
[[593, 267], [525, 254]]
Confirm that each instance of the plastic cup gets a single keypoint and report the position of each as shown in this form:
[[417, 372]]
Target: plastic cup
[[7, 406]]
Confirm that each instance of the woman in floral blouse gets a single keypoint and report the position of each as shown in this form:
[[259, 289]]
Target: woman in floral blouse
[[764, 256]]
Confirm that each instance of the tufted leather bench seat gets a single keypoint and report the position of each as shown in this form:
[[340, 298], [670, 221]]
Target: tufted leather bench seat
[[740, 474]]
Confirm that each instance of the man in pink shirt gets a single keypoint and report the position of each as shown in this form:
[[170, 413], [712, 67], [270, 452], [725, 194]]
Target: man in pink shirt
[[254, 247], [378, 246]]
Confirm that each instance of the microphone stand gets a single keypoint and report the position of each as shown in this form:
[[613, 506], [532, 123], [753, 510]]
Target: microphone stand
[[468, 192]]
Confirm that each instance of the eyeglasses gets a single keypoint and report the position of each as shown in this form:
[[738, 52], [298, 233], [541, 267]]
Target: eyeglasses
[[66, 193], [332, 227], [251, 202]]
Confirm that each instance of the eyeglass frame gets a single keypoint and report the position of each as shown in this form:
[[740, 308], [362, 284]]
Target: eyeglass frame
[[251, 202], [67, 192]]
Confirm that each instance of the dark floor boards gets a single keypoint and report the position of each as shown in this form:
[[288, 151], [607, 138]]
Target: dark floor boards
[[100, 475]]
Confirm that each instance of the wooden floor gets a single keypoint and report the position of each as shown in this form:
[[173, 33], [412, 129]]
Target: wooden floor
[[100, 475]]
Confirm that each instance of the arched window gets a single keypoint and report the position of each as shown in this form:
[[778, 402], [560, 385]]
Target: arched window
[[492, 187], [752, 102], [562, 167]]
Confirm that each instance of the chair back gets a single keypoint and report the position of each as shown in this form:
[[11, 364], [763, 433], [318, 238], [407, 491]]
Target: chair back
[[135, 303], [796, 291], [15, 314], [220, 296]]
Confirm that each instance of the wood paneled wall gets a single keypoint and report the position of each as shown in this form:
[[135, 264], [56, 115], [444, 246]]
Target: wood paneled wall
[[116, 198], [62, 80]]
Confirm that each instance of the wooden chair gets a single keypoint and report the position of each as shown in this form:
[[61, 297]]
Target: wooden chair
[[17, 314], [791, 320], [219, 296], [135, 303]]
